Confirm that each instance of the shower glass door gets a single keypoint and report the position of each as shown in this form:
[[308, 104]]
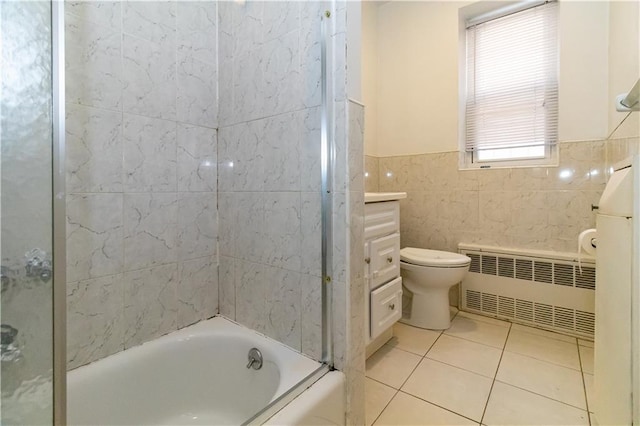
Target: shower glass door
[[26, 241]]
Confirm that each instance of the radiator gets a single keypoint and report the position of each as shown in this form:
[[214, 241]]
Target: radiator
[[538, 288]]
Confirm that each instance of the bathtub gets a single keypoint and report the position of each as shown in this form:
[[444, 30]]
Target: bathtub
[[198, 376]]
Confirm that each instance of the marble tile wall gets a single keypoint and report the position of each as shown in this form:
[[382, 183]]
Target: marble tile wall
[[141, 171], [269, 169], [620, 149], [372, 174], [537, 208]]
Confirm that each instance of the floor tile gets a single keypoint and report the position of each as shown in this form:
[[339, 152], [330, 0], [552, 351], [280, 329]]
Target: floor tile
[[478, 331], [412, 339], [550, 380], [586, 358], [407, 410], [588, 387], [391, 366], [471, 356], [376, 397], [482, 318], [587, 343], [544, 348], [450, 387], [545, 333], [509, 405]]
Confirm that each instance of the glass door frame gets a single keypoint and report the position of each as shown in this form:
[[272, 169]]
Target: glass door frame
[[59, 314]]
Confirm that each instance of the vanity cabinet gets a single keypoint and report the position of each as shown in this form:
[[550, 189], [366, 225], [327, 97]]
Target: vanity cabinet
[[383, 304]]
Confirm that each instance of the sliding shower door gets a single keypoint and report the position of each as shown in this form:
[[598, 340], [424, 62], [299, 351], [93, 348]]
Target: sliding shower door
[[26, 212]]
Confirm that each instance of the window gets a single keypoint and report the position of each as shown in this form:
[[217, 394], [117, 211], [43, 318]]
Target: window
[[511, 111]]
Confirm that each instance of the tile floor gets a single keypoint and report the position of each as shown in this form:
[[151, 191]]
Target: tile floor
[[479, 371]]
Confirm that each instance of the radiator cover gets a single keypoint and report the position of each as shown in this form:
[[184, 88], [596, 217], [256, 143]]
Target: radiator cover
[[538, 288]]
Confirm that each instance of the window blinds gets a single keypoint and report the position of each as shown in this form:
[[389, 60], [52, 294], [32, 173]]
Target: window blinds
[[512, 84]]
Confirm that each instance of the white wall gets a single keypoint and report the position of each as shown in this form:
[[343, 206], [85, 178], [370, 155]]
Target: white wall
[[624, 63], [416, 100]]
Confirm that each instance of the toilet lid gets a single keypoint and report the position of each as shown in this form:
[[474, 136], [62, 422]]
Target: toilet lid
[[425, 257]]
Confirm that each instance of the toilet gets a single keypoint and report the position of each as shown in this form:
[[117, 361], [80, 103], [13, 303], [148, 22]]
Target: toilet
[[429, 274]]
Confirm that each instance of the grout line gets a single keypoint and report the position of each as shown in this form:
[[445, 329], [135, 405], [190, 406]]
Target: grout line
[[542, 395], [439, 406], [584, 384], [385, 407], [484, 412]]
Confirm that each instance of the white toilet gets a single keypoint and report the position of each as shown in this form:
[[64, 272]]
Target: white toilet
[[429, 274]]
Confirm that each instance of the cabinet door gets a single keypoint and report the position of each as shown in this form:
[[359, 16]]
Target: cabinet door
[[386, 306], [381, 219], [385, 259]]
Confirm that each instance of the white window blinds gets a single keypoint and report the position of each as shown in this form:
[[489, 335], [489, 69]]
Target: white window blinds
[[512, 85]]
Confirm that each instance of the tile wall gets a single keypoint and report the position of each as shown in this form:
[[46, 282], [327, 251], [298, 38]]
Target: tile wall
[[372, 174], [542, 208], [141, 172], [269, 169]]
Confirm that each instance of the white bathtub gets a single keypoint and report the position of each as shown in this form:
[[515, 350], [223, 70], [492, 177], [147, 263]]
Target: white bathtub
[[195, 376]]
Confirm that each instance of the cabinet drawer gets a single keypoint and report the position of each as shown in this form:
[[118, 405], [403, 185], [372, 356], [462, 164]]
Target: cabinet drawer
[[384, 254], [386, 306], [381, 219]]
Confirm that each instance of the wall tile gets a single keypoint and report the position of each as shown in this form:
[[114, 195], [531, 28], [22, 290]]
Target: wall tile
[[150, 303], [280, 59], [94, 235], [149, 154], [311, 233], [99, 12], [251, 295], [280, 18], [197, 291], [311, 316], [310, 51], [94, 149], [371, 174], [283, 306], [280, 148], [154, 21], [310, 155], [356, 147], [149, 77], [93, 67], [95, 326], [197, 30], [197, 97], [150, 230], [196, 158], [227, 287], [197, 225]]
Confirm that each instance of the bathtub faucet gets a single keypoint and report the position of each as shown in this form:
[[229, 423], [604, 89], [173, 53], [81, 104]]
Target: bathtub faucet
[[255, 359]]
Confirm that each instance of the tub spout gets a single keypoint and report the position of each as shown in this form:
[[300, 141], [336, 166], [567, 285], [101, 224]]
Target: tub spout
[[255, 359]]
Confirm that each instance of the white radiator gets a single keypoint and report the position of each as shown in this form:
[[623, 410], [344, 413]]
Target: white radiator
[[539, 288]]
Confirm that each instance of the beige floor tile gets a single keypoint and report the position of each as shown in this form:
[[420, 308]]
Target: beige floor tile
[[544, 348], [450, 387], [545, 333], [488, 320], [412, 339], [550, 380], [376, 397], [586, 358], [391, 366], [587, 343], [407, 410], [588, 387], [509, 405], [478, 331], [471, 356]]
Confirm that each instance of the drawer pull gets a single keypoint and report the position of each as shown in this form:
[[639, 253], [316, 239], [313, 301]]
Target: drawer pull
[[392, 306], [390, 259], [367, 260]]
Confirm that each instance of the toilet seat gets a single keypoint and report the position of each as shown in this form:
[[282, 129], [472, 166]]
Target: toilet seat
[[433, 258]]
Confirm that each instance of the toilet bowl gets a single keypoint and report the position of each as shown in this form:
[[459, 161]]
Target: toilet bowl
[[428, 275]]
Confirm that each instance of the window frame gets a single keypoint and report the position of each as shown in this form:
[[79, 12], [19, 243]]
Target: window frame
[[478, 13]]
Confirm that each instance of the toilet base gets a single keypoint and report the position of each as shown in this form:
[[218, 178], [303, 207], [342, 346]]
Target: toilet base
[[430, 310]]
